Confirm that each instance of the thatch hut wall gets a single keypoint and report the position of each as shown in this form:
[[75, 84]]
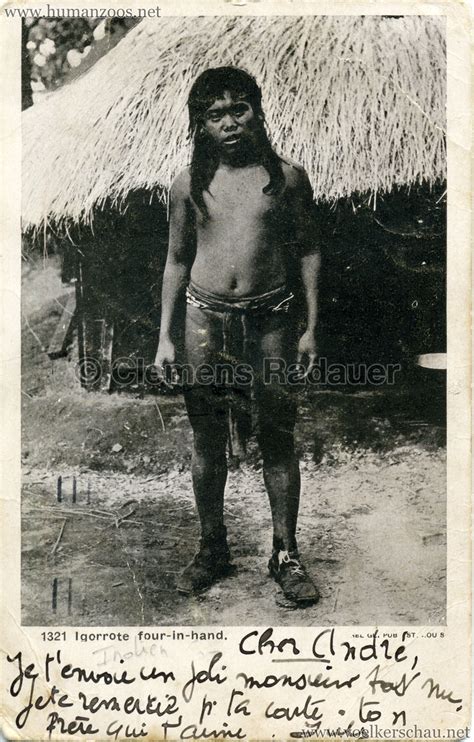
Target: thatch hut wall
[[359, 101]]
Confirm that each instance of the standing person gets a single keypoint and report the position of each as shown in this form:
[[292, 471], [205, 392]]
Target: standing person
[[241, 249]]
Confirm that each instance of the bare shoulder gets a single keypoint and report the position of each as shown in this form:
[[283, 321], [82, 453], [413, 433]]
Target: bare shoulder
[[295, 174], [181, 185]]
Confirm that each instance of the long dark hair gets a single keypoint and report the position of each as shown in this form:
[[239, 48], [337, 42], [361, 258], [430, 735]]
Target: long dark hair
[[207, 88]]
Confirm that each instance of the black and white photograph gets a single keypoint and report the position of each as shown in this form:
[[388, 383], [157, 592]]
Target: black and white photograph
[[233, 329]]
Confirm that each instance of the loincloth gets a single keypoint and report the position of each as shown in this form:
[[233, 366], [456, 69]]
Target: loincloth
[[277, 300], [237, 315], [234, 331]]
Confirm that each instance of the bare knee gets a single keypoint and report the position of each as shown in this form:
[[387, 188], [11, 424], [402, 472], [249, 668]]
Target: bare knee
[[276, 417], [210, 441], [276, 445]]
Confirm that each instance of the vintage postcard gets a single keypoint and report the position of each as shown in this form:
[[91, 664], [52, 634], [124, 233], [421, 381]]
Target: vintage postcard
[[236, 370]]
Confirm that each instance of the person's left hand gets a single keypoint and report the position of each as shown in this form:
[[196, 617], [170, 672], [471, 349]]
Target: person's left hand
[[307, 351]]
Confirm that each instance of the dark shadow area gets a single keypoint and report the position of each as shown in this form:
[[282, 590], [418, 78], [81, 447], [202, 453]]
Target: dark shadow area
[[383, 281]]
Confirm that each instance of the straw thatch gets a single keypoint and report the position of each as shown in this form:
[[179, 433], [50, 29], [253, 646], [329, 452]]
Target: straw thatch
[[359, 101]]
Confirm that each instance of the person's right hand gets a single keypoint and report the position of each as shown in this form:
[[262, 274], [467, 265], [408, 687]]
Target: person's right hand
[[165, 360]]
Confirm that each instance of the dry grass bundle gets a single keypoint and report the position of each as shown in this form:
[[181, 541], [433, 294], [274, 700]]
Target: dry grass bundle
[[359, 101]]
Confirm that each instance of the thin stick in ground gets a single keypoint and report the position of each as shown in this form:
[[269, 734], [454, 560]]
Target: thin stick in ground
[[161, 416], [53, 550]]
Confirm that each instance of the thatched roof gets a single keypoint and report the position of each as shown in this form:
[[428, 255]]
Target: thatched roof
[[359, 101]]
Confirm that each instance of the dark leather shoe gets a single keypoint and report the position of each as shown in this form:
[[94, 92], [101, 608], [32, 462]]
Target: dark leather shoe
[[286, 569], [211, 562]]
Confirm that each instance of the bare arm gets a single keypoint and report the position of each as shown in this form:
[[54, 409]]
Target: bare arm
[[307, 238], [310, 266], [178, 267]]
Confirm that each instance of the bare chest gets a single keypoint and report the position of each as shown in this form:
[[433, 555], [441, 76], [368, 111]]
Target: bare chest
[[240, 195]]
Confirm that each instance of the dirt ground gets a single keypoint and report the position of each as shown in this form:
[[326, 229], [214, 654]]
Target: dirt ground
[[372, 525]]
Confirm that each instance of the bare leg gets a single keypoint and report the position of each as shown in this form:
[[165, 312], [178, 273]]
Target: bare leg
[[281, 473], [282, 480], [276, 411], [283, 486], [209, 464], [276, 416], [207, 413], [209, 472]]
